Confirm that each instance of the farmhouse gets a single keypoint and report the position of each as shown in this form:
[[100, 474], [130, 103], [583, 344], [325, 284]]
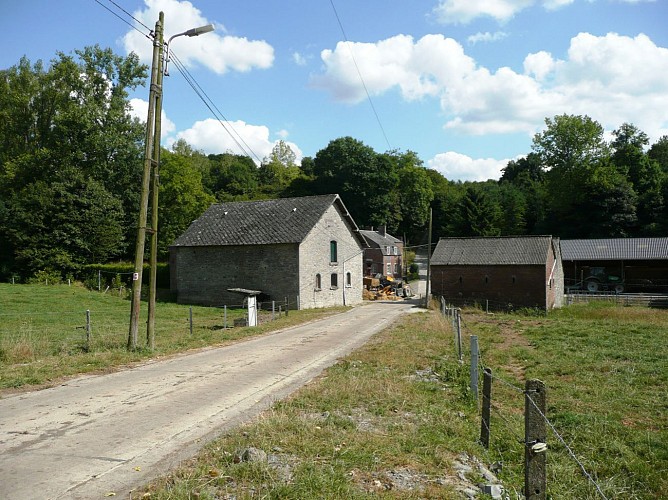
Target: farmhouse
[[384, 255], [505, 272], [616, 264], [307, 250]]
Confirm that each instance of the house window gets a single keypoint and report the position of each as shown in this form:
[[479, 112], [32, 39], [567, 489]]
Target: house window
[[514, 279], [318, 281], [334, 280], [389, 268], [461, 280], [349, 280], [387, 250], [486, 279], [333, 258]]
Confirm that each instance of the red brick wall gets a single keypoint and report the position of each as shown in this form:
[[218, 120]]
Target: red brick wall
[[521, 286]]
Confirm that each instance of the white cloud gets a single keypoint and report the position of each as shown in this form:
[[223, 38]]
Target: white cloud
[[605, 77], [464, 11], [298, 59], [486, 37], [139, 109], [220, 53], [456, 166], [212, 138]]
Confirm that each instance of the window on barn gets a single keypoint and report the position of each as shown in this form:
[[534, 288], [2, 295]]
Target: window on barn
[[333, 258], [486, 279], [334, 280], [461, 280], [349, 280], [318, 282], [514, 279]]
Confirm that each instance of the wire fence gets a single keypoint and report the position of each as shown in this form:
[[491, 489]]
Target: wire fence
[[508, 415], [101, 322]]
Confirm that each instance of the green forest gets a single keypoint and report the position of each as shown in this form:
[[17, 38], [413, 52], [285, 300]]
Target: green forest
[[71, 160]]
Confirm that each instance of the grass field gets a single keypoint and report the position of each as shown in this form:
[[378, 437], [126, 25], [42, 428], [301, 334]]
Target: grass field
[[43, 334], [390, 420]]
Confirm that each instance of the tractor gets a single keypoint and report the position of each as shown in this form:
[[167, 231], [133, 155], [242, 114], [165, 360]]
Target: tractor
[[599, 280]]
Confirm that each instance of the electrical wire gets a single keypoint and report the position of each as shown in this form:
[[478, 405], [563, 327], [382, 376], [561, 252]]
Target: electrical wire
[[208, 102], [359, 73], [150, 33]]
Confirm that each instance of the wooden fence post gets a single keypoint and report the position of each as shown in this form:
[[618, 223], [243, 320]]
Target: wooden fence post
[[458, 312], [88, 329], [225, 316], [191, 320], [534, 440], [486, 407], [474, 369], [273, 310]]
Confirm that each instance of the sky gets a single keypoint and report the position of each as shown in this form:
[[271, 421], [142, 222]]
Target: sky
[[465, 84]]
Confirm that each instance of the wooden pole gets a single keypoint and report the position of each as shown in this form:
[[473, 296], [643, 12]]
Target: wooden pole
[[88, 329], [191, 320], [486, 407], [535, 435], [474, 368]]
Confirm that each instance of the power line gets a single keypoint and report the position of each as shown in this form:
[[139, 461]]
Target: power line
[[149, 35], [133, 17], [208, 102], [359, 73]]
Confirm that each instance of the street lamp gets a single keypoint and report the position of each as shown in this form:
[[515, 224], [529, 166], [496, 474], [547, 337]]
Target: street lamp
[[151, 173], [191, 32]]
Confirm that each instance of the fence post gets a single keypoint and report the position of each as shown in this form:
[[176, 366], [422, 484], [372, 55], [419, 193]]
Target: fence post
[[225, 316], [191, 320], [534, 440], [487, 306], [273, 310], [99, 280], [88, 329], [474, 368], [459, 334], [486, 407], [287, 306]]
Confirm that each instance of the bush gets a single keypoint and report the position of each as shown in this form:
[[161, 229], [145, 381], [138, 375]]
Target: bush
[[45, 277]]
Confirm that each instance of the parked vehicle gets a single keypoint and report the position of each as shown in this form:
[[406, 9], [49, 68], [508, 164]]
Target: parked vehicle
[[600, 280]]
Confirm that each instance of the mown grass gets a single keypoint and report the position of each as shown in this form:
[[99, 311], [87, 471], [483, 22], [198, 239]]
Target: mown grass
[[376, 415], [43, 336]]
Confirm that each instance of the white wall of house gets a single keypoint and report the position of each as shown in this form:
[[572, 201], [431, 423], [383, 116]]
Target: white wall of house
[[315, 259]]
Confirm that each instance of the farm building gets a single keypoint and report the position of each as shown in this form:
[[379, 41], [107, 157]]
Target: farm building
[[308, 250], [505, 272], [384, 255], [616, 264]]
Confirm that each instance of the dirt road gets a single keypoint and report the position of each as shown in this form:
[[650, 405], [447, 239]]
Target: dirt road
[[96, 435]]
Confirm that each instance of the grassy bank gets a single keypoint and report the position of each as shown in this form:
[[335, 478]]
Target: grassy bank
[[43, 334], [392, 419]]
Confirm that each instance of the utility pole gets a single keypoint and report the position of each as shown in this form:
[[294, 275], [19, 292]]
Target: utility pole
[[150, 162], [150, 329], [429, 262]]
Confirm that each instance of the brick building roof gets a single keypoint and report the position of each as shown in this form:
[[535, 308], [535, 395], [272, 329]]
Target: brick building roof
[[480, 251], [265, 222], [615, 249]]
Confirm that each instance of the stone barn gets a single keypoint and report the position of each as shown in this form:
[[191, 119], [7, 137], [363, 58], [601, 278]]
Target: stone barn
[[504, 272], [307, 250]]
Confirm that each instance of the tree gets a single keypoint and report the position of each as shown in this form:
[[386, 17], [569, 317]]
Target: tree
[[182, 198], [232, 177], [68, 143], [477, 213], [365, 181], [278, 171], [643, 173], [570, 148]]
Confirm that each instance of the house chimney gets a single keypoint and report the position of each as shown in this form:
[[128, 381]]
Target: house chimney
[[381, 230]]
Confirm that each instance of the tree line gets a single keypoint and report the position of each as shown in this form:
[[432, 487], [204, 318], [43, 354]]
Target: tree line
[[71, 164]]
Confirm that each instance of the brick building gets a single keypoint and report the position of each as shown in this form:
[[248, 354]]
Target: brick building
[[307, 249], [508, 272], [384, 255]]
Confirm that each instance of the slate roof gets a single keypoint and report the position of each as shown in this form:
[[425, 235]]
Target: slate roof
[[615, 249], [375, 239], [265, 222], [505, 250]]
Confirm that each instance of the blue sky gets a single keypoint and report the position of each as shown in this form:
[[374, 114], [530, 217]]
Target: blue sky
[[463, 83]]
